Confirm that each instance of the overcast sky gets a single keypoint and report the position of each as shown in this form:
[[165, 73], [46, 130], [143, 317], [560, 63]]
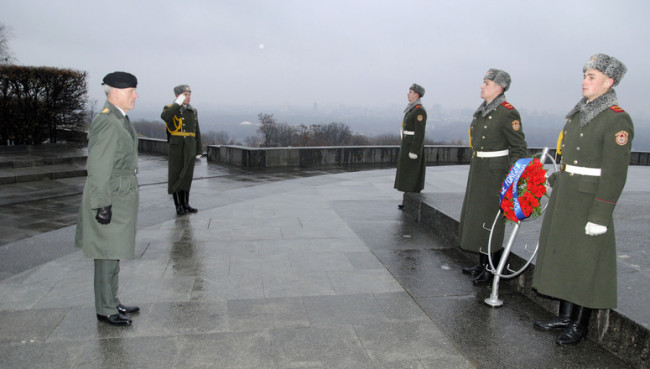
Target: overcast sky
[[356, 53]]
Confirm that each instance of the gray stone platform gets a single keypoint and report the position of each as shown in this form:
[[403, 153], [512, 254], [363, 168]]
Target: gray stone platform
[[288, 269]]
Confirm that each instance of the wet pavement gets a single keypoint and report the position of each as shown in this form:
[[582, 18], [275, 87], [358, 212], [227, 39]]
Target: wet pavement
[[287, 269]]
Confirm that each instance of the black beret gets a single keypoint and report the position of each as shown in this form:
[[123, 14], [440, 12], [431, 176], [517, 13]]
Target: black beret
[[120, 80]]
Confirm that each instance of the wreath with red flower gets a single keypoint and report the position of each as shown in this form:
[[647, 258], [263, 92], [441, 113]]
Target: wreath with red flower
[[522, 190]]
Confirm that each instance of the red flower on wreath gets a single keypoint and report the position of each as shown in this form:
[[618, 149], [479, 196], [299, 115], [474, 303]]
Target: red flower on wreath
[[530, 189]]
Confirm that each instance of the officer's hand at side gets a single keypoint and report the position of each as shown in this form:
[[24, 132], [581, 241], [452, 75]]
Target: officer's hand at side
[[198, 156], [593, 229], [104, 215], [412, 155], [180, 99]]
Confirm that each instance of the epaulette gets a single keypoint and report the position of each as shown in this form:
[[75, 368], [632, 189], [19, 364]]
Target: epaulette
[[169, 106], [617, 109], [106, 110], [507, 105], [418, 106]]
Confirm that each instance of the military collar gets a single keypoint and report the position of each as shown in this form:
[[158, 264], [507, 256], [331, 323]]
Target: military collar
[[485, 108], [589, 110]]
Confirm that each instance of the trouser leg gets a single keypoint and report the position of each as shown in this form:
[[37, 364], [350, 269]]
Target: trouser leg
[[106, 281]]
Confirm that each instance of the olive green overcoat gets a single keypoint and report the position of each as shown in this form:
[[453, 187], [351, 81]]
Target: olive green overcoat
[[571, 265], [111, 165], [410, 172], [184, 145], [499, 129]]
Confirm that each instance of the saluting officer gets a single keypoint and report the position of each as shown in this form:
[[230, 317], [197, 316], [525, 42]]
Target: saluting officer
[[411, 162], [497, 139], [109, 205], [184, 138], [576, 261]]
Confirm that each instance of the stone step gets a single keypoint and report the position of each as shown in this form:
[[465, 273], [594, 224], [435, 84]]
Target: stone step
[[19, 164]]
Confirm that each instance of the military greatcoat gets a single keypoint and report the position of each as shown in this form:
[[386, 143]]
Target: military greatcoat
[[410, 172], [571, 265], [111, 165], [184, 145], [495, 127]]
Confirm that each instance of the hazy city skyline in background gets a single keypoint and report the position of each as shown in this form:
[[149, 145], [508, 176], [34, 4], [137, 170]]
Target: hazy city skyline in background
[[341, 61]]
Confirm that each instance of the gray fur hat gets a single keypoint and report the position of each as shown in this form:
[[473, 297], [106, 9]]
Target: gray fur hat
[[181, 88], [417, 89], [609, 65], [500, 77]]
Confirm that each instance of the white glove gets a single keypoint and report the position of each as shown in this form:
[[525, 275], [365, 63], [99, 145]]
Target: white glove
[[179, 100], [198, 156], [412, 155], [593, 229]]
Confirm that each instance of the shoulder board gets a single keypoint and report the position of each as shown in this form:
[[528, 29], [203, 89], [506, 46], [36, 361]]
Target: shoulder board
[[617, 109], [106, 110], [507, 105], [169, 106], [418, 106]]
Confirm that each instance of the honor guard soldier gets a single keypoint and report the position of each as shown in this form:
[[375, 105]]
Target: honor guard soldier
[[497, 139], [184, 138], [109, 205], [576, 261], [411, 161]]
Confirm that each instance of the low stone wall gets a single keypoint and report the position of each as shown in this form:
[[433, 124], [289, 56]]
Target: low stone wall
[[328, 156]]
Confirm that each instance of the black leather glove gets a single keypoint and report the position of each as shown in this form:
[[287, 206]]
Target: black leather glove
[[104, 215]]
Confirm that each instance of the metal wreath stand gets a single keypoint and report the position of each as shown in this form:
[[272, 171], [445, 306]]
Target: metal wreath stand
[[493, 300]]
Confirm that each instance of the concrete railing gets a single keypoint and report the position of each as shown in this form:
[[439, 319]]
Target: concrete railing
[[328, 156]]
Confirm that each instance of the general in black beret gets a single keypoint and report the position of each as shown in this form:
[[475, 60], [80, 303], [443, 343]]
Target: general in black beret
[[120, 80]]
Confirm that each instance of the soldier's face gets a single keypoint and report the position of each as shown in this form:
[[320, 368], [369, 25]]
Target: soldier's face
[[412, 96], [124, 98], [595, 83], [490, 90]]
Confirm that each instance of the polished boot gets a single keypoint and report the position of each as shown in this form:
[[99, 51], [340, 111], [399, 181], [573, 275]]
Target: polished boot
[[478, 268], [115, 319], [561, 321], [185, 196], [485, 277], [123, 309], [180, 210], [577, 329]]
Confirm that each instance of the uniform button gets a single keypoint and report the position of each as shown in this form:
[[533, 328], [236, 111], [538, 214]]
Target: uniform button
[[568, 120], [562, 145], [490, 117], [578, 148], [483, 137], [575, 162], [582, 134], [485, 127]]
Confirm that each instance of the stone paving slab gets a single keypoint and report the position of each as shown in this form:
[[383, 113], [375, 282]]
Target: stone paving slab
[[274, 272]]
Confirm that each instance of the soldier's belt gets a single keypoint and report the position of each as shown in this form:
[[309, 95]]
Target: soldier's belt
[[409, 133], [580, 170], [190, 134], [490, 154]]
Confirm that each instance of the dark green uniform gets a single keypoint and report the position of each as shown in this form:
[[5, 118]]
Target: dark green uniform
[[571, 265], [184, 145], [410, 172], [495, 127]]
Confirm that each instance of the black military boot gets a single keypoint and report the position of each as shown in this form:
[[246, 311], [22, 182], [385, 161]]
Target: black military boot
[[560, 322], [478, 268], [485, 277], [185, 195], [577, 329], [179, 203]]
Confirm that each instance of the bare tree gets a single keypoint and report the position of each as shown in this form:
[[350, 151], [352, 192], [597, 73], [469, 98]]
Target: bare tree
[[5, 53]]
